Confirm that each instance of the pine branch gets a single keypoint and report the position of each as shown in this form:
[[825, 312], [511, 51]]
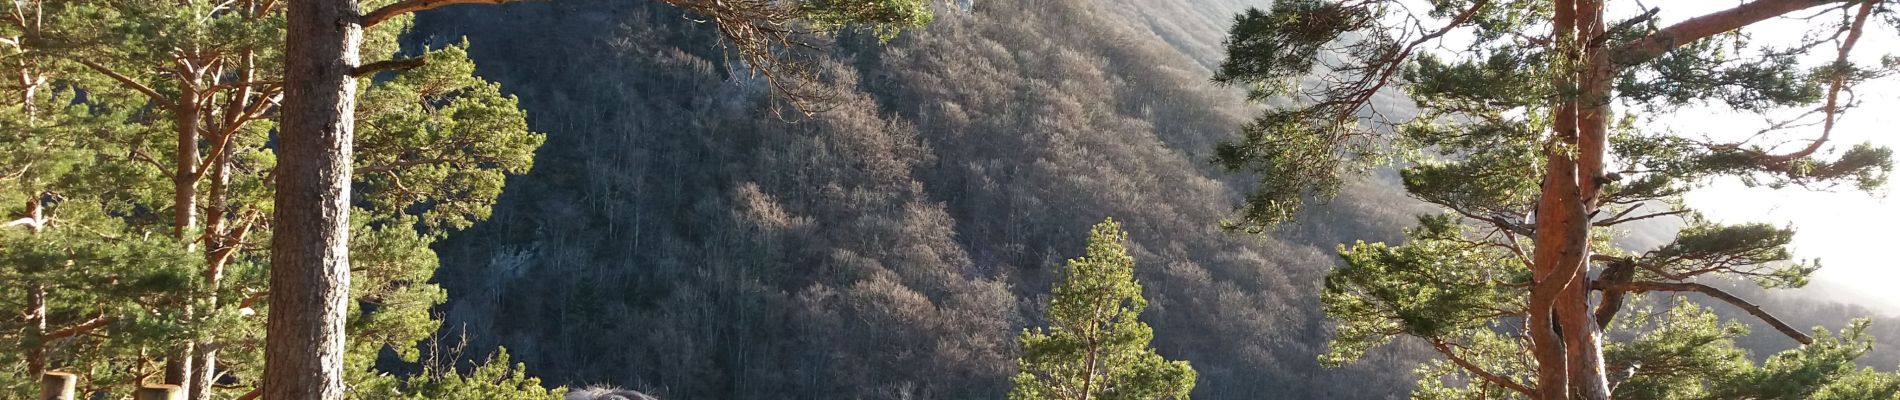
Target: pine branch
[[82, 327], [1751, 308], [386, 65], [409, 6], [392, 166], [1835, 86], [1694, 29], [1371, 84], [139, 154], [1505, 382], [1619, 219], [129, 83], [1626, 24]]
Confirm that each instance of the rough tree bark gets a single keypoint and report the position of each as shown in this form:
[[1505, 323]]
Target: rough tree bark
[[1558, 216], [1583, 341], [310, 243]]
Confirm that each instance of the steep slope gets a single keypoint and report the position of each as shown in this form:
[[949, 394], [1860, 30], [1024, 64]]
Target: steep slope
[[679, 236], [683, 234], [1194, 28]]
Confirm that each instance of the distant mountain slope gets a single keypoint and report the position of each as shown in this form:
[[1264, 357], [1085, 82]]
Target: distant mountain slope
[[683, 235], [677, 236], [1196, 28]]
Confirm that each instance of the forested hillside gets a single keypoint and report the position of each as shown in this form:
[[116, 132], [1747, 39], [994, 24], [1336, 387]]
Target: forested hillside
[[674, 238]]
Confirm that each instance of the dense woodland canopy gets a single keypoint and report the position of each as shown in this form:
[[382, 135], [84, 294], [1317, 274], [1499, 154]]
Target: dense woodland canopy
[[672, 239]]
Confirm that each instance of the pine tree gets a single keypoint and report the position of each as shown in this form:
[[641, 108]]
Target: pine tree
[[138, 109], [324, 51], [1095, 346], [1531, 128]]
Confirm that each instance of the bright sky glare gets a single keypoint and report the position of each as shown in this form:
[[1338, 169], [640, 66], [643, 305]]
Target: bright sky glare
[[1850, 231]]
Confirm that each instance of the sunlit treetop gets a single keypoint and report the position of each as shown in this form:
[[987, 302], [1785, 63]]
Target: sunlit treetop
[[1338, 74], [1534, 125]]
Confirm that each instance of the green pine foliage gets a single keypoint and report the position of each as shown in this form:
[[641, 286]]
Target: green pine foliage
[[121, 291], [1095, 346], [497, 378], [126, 282], [1472, 134]]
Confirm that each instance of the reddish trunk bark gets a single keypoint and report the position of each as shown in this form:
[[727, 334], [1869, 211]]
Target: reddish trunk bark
[[1584, 343], [1555, 210], [310, 243], [1560, 219]]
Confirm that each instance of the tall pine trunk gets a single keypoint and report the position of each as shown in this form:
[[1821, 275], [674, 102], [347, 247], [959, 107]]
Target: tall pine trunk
[[220, 243], [310, 243], [184, 204], [1565, 337], [218, 246], [35, 315], [1585, 347]]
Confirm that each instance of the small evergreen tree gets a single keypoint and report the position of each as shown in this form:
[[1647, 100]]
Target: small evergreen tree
[[496, 378], [1094, 346]]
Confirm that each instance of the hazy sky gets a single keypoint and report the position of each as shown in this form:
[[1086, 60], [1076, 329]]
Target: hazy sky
[[1852, 232]]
